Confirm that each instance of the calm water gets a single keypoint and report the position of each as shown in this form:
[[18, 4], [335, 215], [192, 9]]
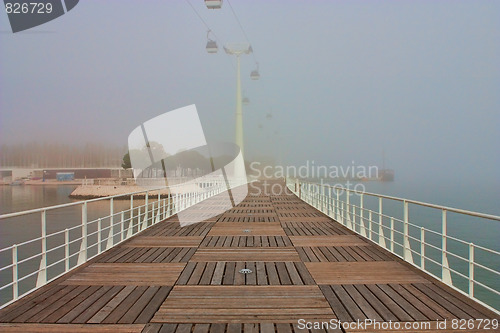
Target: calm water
[[477, 197]]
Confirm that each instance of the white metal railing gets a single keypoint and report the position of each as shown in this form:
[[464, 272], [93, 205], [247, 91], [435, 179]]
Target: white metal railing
[[52, 254], [427, 249]]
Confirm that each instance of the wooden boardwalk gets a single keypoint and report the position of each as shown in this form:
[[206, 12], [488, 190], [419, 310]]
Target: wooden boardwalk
[[303, 265]]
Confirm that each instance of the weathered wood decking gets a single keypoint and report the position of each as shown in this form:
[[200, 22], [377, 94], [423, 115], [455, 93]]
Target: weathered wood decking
[[304, 266]]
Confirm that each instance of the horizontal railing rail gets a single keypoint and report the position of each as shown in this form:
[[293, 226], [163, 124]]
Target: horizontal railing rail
[[29, 265], [470, 268]]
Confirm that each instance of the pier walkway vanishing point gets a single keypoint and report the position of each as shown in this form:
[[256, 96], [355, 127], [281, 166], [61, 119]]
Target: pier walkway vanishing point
[[259, 267]]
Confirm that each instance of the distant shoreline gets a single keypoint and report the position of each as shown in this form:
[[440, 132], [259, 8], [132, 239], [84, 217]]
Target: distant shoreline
[[85, 192]]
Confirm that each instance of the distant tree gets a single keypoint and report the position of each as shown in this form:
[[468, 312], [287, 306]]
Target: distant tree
[[126, 164]]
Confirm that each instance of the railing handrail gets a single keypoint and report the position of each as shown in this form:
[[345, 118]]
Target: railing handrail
[[421, 203]]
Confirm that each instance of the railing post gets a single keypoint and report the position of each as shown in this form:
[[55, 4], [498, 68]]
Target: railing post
[[342, 213], [370, 222], [132, 209], [156, 217], [15, 285], [362, 227], [445, 269], [381, 238], [139, 223], [322, 198], [42, 272], [169, 203], [422, 248], [175, 203], [99, 238], [338, 206], [122, 221], [354, 217], [471, 270], [153, 207], [392, 234], [164, 211], [159, 215], [146, 212], [66, 250], [347, 206], [82, 256], [109, 243], [406, 248], [329, 205]]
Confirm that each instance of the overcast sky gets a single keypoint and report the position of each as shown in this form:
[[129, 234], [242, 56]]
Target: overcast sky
[[344, 80]]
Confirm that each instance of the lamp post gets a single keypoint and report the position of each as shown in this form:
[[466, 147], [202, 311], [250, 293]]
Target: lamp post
[[238, 50]]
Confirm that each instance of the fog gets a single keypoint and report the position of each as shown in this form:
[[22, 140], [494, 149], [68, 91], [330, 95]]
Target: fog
[[344, 81]]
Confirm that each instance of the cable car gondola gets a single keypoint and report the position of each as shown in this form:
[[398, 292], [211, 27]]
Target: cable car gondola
[[213, 4], [245, 101], [254, 75], [211, 44]]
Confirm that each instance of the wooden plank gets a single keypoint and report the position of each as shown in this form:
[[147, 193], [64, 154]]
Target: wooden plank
[[272, 274], [201, 328], [332, 240], [246, 254], [206, 278], [119, 311], [418, 304], [53, 306], [251, 279], [361, 302], [449, 303], [403, 303], [261, 274], [247, 229], [244, 303], [70, 328], [17, 308], [388, 302], [218, 273], [293, 274], [438, 309], [461, 301], [350, 305], [29, 312], [283, 273], [197, 273], [168, 254], [239, 279], [133, 312], [89, 307], [65, 307], [186, 273], [228, 278], [143, 274], [111, 305], [335, 304], [318, 254], [368, 272], [150, 309]]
